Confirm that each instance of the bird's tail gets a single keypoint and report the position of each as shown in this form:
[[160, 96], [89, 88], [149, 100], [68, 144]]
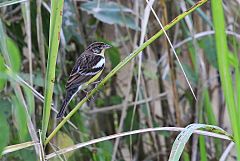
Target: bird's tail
[[62, 109], [70, 94]]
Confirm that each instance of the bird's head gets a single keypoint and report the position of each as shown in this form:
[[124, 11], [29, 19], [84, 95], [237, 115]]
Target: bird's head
[[98, 47]]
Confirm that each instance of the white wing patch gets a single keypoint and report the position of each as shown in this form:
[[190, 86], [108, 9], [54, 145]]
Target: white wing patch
[[100, 63], [91, 73]]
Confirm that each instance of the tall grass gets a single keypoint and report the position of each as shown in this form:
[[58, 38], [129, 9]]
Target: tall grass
[[223, 55], [49, 144], [122, 64], [54, 38]]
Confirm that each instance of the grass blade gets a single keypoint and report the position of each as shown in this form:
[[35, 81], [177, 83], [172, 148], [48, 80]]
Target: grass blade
[[16, 147], [114, 136], [178, 60], [54, 37], [224, 69], [11, 2], [16, 87], [4, 137], [184, 136]]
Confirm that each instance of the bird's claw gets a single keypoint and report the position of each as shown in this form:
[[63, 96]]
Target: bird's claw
[[87, 94]]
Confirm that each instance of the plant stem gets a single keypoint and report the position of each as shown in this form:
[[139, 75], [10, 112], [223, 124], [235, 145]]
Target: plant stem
[[54, 37], [225, 70]]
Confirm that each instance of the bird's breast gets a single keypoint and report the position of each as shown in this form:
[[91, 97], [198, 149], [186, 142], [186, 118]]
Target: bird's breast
[[100, 63]]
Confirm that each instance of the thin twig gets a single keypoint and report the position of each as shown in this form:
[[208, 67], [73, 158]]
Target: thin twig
[[27, 22], [123, 113], [144, 23], [40, 36], [55, 151], [203, 34], [226, 152], [119, 107], [110, 137], [13, 148], [7, 3], [41, 152], [174, 52], [125, 103]]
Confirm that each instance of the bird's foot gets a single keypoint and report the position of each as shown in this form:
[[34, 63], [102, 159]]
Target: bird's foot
[[85, 91], [96, 83], [87, 94]]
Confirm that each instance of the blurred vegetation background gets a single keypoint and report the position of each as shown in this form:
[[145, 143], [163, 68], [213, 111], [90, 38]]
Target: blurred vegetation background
[[148, 92]]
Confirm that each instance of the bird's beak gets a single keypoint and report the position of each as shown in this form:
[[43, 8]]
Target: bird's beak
[[106, 46]]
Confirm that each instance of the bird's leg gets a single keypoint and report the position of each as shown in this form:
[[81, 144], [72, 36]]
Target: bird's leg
[[95, 87], [87, 93], [96, 84]]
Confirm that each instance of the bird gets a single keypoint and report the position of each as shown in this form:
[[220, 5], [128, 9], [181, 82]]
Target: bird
[[87, 69]]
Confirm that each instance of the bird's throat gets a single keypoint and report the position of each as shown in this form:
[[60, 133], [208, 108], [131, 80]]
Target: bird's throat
[[102, 52]]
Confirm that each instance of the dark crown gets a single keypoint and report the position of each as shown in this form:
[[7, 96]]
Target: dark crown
[[97, 47]]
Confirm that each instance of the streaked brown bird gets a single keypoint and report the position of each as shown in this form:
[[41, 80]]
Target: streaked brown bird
[[86, 70]]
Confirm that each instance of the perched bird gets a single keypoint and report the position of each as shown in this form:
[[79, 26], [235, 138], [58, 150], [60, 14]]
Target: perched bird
[[86, 70]]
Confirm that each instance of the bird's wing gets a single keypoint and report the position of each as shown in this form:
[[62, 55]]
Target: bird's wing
[[84, 69]]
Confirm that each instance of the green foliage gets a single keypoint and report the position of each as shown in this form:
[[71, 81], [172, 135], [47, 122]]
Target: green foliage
[[6, 108], [9, 2], [118, 67], [111, 13], [150, 74], [80, 122], [193, 77], [21, 121], [13, 148], [64, 141], [4, 128], [14, 55], [30, 100], [209, 47], [114, 100], [103, 152], [54, 38], [201, 13], [88, 21], [203, 151], [186, 156], [114, 56], [26, 154], [2, 70], [128, 124], [224, 70], [71, 24], [183, 137]]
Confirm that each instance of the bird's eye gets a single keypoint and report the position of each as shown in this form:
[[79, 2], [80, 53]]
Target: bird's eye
[[96, 50]]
